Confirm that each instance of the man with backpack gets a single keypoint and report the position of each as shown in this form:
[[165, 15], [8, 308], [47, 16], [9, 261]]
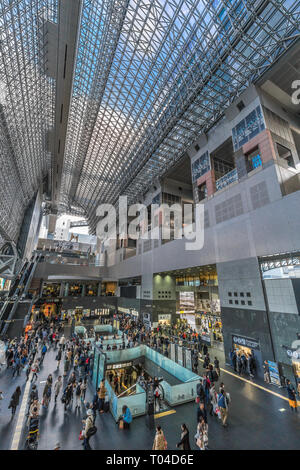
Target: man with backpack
[[44, 350], [223, 406]]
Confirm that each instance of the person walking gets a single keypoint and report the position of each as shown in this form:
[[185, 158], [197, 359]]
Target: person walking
[[14, 401], [291, 395], [89, 430], [83, 388], [213, 400], [202, 434], [217, 366], [223, 406], [46, 394], [57, 387], [35, 369], [201, 411], [68, 394], [101, 395], [62, 342], [58, 357], [160, 442], [184, 443], [78, 394], [44, 350]]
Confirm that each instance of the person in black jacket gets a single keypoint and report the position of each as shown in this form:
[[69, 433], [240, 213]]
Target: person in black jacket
[[14, 401], [201, 411], [184, 443]]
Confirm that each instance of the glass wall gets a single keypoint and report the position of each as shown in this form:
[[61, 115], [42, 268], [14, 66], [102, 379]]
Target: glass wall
[[200, 166], [248, 128]]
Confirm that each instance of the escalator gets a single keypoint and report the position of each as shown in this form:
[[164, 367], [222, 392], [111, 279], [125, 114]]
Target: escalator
[[18, 308]]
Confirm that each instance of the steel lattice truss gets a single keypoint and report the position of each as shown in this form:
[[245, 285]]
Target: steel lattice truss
[[151, 76], [279, 261], [26, 107]]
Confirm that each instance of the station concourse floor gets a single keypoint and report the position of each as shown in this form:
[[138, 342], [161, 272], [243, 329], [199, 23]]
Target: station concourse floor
[[257, 420]]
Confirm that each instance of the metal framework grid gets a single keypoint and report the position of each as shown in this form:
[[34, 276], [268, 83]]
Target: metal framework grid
[[26, 107], [151, 76], [281, 260]]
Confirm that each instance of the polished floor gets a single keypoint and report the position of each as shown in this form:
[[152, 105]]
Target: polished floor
[[258, 419]]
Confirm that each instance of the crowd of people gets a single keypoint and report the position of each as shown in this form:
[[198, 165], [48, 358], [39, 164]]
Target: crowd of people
[[74, 363]]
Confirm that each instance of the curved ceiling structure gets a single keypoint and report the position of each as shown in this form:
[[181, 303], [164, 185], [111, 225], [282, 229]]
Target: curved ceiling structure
[[148, 77]]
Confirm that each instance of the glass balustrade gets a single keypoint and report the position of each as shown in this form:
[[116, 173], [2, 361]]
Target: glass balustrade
[[227, 179]]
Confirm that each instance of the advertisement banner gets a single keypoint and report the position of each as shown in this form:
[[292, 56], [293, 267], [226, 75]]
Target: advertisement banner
[[186, 302], [274, 373]]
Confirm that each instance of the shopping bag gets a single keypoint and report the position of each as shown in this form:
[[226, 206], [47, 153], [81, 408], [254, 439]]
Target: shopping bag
[[121, 424], [197, 400]]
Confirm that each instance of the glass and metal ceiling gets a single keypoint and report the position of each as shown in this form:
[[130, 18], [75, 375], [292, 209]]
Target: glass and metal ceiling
[[149, 77], [152, 75], [26, 107]]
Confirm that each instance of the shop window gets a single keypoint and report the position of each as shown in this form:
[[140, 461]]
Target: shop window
[[249, 302], [286, 154]]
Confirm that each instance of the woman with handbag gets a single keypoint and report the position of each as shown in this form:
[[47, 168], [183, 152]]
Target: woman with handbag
[[160, 442], [202, 434], [184, 444]]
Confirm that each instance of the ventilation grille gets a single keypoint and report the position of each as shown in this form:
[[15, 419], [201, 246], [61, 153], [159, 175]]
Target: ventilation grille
[[232, 207], [259, 195], [147, 245]]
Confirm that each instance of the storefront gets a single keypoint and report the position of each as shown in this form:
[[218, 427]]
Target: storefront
[[245, 345], [164, 319], [75, 289], [81, 312], [51, 289], [49, 310]]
